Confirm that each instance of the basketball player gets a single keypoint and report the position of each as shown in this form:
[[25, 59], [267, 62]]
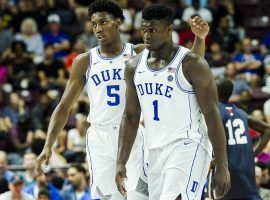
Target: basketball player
[[177, 95], [101, 71], [239, 145]]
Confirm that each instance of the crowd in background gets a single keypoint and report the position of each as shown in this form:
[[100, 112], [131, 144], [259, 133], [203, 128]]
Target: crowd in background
[[38, 43]]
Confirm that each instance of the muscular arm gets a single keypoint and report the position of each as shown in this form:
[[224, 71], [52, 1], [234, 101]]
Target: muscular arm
[[72, 91], [264, 129], [198, 73], [131, 116]]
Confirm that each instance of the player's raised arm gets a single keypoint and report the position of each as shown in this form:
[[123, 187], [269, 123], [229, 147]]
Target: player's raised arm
[[60, 115], [199, 28], [197, 71], [129, 125], [264, 129]]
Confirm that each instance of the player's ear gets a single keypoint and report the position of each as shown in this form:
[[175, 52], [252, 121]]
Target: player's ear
[[170, 28], [118, 22]]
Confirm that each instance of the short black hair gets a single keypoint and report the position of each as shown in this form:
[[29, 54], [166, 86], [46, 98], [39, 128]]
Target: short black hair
[[224, 88], [106, 6], [78, 167], [44, 192], [158, 12]]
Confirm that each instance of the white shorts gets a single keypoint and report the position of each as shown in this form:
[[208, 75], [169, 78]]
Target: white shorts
[[180, 167], [101, 147]]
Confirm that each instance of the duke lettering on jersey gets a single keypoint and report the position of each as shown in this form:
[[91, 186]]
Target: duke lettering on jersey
[[155, 88], [107, 75]]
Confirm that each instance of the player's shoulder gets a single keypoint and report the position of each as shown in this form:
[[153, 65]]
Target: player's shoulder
[[139, 48], [134, 61], [80, 65], [193, 58]]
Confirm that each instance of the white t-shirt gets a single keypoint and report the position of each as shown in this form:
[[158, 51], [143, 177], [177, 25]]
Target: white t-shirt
[[8, 196], [77, 140]]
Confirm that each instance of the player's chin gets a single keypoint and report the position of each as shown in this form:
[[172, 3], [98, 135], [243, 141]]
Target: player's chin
[[150, 46]]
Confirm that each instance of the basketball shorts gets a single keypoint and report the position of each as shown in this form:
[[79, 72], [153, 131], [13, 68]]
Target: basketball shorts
[[101, 147], [179, 168]]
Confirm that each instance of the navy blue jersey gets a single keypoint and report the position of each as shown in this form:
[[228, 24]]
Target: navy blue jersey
[[240, 152]]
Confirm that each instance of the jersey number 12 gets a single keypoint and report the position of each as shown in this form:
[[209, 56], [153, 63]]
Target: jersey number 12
[[236, 129]]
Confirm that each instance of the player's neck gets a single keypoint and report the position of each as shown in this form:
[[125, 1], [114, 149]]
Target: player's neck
[[112, 49], [163, 53]]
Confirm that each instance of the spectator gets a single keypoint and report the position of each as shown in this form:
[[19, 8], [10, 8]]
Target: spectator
[[30, 36], [43, 183], [3, 185], [5, 37], [16, 186], [78, 189], [21, 70], [29, 163], [265, 46], [249, 64], [264, 193], [265, 183], [217, 59], [76, 141], [241, 90], [225, 35], [88, 37], [4, 172], [44, 195], [6, 15], [78, 48], [195, 9], [51, 73], [56, 38]]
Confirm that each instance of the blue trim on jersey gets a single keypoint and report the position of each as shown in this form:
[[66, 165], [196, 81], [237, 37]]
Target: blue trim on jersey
[[87, 146], [176, 77], [89, 67], [143, 157], [105, 58], [191, 169], [189, 114], [146, 64], [202, 170], [194, 159]]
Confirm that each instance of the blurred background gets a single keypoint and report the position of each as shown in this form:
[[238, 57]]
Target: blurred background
[[39, 40]]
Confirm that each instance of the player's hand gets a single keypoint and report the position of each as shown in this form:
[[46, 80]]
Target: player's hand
[[120, 177], [199, 27], [45, 155], [221, 181]]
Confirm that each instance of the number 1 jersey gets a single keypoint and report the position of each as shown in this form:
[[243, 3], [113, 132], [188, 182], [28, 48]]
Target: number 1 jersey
[[169, 104], [106, 87]]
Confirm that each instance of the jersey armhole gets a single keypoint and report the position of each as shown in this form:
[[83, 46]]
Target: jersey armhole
[[89, 67], [137, 66]]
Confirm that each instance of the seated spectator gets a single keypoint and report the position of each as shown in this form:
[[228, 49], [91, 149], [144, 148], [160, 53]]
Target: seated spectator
[[241, 90], [43, 195], [3, 185], [264, 193], [225, 35], [6, 37], [78, 48], [51, 73], [29, 163], [88, 37], [195, 9], [76, 141], [56, 38], [265, 46], [78, 189], [43, 183], [21, 66], [30, 36], [266, 63], [217, 59], [16, 187], [249, 64], [265, 179], [4, 172]]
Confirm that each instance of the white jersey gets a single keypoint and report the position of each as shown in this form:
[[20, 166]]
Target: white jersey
[[169, 105], [106, 86]]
